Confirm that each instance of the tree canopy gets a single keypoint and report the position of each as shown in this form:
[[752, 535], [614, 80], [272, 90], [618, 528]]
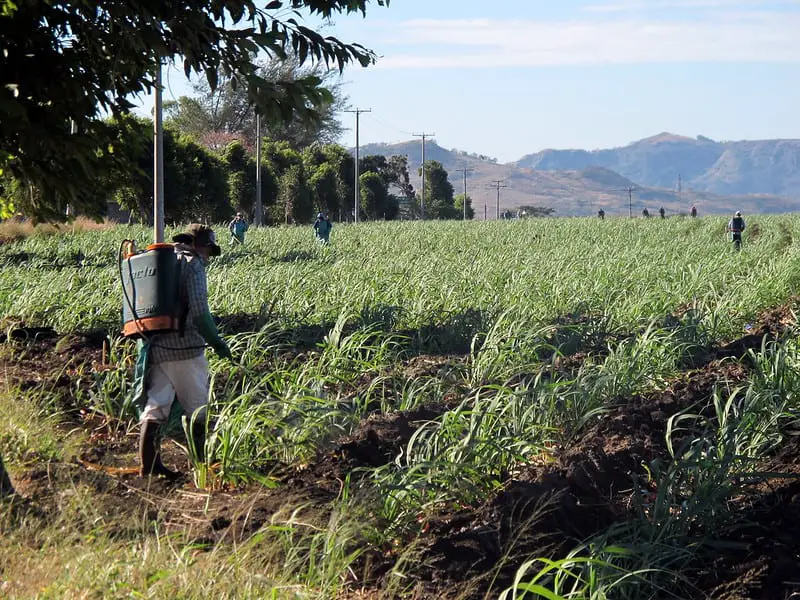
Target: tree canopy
[[215, 117], [68, 62], [438, 192]]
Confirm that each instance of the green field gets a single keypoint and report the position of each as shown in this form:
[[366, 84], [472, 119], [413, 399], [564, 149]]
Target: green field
[[545, 408]]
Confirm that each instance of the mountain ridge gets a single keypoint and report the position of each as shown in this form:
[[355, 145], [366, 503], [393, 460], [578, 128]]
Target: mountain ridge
[[718, 177]]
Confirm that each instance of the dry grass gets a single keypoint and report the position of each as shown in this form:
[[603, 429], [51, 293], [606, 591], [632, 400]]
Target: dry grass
[[14, 230]]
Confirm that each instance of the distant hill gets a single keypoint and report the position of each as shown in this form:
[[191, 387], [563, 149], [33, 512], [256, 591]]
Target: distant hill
[[717, 177], [745, 167]]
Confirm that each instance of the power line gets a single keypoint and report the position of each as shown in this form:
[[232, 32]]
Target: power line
[[423, 136], [465, 171], [498, 183], [356, 203]]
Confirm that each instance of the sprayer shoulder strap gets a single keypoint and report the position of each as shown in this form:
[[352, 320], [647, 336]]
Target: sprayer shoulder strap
[[184, 301]]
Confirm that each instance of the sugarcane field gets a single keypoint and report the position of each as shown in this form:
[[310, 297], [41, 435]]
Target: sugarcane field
[[383, 300], [415, 410]]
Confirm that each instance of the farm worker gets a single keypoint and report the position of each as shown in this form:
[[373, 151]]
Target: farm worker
[[645, 213], [322, 228], [174, 364], [602, 214], [694, 211], [736, 226], [237, 228], [662, 212]]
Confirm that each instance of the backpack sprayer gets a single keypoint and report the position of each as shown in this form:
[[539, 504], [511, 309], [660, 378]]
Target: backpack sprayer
[[150, 285]]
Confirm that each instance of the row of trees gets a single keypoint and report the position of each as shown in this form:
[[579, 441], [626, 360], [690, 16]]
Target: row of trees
[[204, 183], [209, 183]]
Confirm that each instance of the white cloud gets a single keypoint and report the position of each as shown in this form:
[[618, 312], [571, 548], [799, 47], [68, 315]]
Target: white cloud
[[730, 37]]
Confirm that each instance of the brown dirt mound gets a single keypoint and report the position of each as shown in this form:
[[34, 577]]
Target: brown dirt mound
[[589, 484], [763, 559]]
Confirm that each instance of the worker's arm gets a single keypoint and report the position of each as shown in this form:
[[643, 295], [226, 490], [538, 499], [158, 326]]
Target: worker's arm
[[208, 331], [197, 296]]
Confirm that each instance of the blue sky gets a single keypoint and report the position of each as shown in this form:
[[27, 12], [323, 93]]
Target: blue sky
[[511, 77]]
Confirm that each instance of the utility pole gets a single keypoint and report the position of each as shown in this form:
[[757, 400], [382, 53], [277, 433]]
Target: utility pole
[[422, 199], [630, 190], [259, 206], [680, 190], [485, 212], [498, 183], [73, 129], [465, 170], [356, 203], [158, 162]]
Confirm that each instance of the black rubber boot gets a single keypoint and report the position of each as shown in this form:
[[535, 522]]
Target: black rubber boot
[[6, 489], [150, 454]]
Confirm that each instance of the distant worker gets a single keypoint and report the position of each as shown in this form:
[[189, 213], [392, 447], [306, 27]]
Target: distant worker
[[662, 212], [736, 226], [645, 213], [238, 227], [173, 365], [694, 211], [322, 228], [602, 214]]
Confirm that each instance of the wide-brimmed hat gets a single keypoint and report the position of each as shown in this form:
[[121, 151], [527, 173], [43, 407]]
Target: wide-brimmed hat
[[198, 235]]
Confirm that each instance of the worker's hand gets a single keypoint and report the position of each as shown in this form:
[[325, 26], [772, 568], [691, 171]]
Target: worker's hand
[[222, 350]]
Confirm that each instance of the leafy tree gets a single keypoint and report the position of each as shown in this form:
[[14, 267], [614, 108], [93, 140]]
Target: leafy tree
[[195, 185], [438, 192], [225, 110], [394, 172], [281, 155], [324, 184], [373, 163], [344, 164], [398, 170], [392, 210], [294, 197], [374, 195], [240, 167], [198, 190], [458, 204], [69, 61]]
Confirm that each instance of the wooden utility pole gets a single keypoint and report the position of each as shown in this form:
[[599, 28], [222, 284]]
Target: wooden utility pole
[[465, 170], [357, 199], [498, 183], [422, 199]]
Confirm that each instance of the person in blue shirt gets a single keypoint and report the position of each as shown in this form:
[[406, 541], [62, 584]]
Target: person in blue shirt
[[238, 227], [322, 228]]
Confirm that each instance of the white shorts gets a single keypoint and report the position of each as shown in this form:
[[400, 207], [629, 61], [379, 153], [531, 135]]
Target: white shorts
[[186, 379]]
